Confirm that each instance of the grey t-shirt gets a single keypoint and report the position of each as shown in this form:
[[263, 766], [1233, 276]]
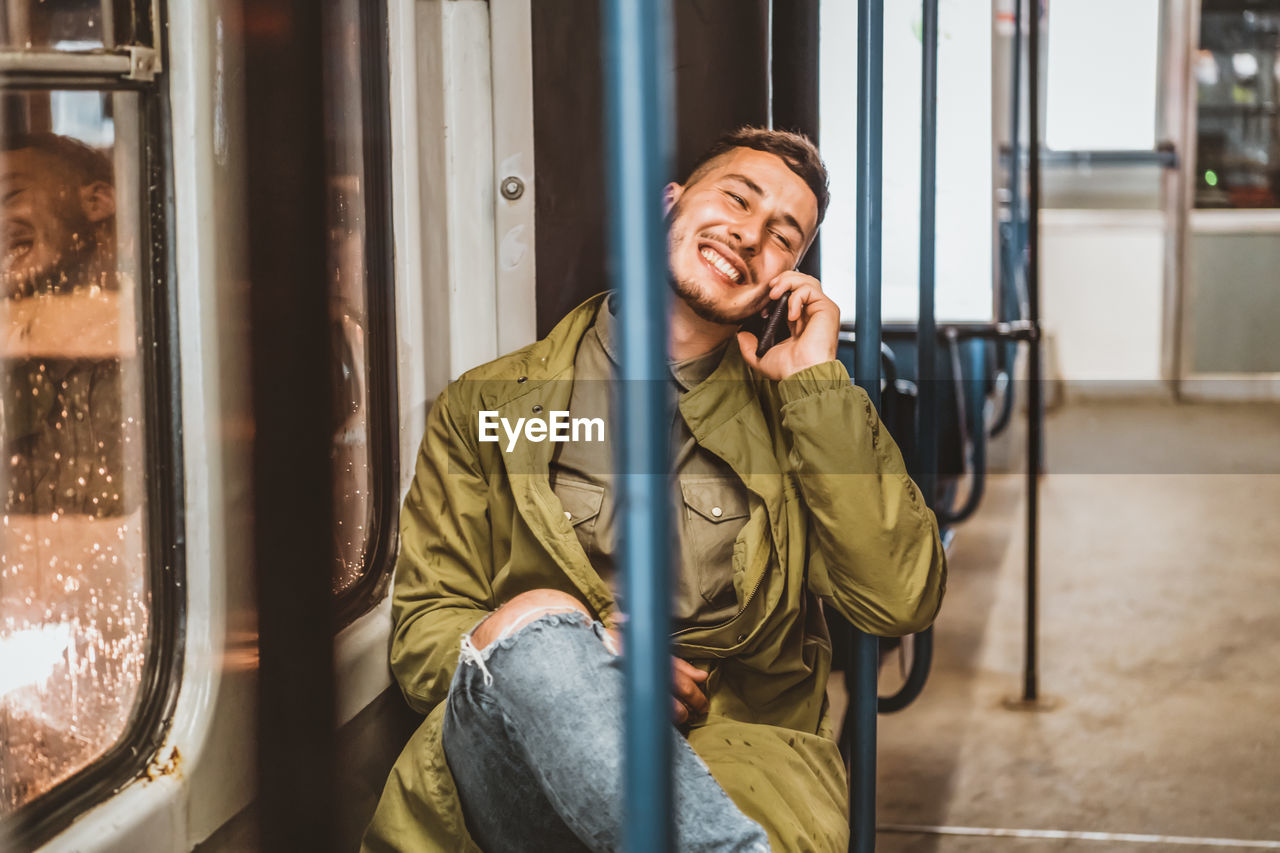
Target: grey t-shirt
[[711, 500]]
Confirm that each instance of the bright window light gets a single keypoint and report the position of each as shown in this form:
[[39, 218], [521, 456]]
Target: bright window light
[[1103, 62], [964, 209]]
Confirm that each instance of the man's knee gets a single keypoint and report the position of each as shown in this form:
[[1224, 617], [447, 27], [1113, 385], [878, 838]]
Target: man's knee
[[520, 611]]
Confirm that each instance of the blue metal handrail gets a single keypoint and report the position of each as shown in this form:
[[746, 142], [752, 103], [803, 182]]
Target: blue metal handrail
[[638, 130], [1013, 242], [970, 397], [927, 325], [860, 743], [926, 328]]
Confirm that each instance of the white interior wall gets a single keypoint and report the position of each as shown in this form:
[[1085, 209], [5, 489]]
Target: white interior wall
[[1102, 292]]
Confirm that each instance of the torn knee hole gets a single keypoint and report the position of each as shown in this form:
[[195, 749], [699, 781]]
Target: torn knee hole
[[508, 623], [530, 615]]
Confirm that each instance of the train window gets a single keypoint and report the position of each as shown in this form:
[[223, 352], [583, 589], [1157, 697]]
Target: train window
[[359, 268], [75, 588], [1094, 46], [1237, 73], [964, 155], [73, 25]]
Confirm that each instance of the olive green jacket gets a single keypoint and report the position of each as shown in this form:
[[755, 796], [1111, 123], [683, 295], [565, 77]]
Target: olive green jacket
[[833, 517]]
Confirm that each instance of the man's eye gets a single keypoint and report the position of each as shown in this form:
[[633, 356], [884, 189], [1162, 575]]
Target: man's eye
[[738, 200], [786, 244], [17, 247]]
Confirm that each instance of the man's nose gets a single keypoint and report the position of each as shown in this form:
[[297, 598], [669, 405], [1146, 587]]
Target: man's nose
[[747, 235]]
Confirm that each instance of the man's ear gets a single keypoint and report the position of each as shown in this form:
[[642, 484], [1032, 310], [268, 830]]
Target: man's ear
[[670, 195], [98, 200]]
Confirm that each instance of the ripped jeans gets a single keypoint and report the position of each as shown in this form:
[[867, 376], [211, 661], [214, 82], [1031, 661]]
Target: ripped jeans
[[533, 737]]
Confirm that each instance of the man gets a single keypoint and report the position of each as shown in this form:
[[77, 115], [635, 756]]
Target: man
[[64, 428], [63, 436], [59, 215], [792, 493]]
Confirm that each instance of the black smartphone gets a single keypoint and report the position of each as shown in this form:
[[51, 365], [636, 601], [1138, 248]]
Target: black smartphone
[[775, 327]]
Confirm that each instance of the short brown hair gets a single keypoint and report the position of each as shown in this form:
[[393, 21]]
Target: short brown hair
[[794, 149], [84, 165]]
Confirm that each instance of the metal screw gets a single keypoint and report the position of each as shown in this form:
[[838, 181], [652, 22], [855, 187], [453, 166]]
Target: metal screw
[[512, 188]]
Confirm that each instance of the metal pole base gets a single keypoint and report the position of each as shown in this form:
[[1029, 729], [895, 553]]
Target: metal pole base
[[1040, 703]]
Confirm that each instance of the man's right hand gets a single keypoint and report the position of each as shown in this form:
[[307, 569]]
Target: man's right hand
[[690, 702]]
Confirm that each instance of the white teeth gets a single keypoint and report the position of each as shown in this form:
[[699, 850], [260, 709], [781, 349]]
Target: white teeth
[[717, 260]]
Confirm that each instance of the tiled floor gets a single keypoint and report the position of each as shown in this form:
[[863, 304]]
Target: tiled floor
[[1160, 642]]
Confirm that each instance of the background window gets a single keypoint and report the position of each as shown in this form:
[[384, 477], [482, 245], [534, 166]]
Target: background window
[[1237, 79], [359, 278], [75, 596], [964, 194], [1102, 46]]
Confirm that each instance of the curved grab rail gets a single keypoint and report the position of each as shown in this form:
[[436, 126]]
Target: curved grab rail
[[970, 400], [921, 662], [1005, 378]]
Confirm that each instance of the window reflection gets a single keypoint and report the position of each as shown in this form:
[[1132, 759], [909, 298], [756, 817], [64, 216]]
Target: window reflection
[[348, 118], [74, 598]]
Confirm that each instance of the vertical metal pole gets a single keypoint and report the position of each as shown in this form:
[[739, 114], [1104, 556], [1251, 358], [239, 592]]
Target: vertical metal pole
[[636, 48], [927, 327], [1014, 256], [293, 411], [1030, 686], [864, 654], [793, 78]]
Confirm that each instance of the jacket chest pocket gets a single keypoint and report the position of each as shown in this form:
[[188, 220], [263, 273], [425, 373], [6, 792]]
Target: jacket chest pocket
[[715, 511], [582, 504]]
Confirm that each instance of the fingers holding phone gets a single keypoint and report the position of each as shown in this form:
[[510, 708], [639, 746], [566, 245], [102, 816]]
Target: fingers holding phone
[[813, 320]]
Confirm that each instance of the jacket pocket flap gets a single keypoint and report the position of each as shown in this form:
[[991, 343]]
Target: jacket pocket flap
[[715, 500], [581, 501]]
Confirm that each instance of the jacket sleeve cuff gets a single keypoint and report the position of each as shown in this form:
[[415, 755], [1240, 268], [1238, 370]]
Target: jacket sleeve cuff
[[829, 375]]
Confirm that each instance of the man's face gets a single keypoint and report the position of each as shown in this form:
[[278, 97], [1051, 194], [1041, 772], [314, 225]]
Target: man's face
[[744, 220], [47, 235]]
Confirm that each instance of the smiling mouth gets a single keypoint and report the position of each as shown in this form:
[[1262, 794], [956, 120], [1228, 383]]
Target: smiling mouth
[[721, 264]]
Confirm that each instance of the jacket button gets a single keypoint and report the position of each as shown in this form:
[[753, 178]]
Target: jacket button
[[537, 409], [568, 515], [522, 379], [717, 511]]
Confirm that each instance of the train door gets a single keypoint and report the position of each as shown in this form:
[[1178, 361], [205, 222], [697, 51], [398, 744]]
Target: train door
[[1110, 194], [1231, 201], [1159, 222]]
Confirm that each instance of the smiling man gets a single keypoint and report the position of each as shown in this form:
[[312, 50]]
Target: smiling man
[[64, 430], [59, 215], [789, 494]]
